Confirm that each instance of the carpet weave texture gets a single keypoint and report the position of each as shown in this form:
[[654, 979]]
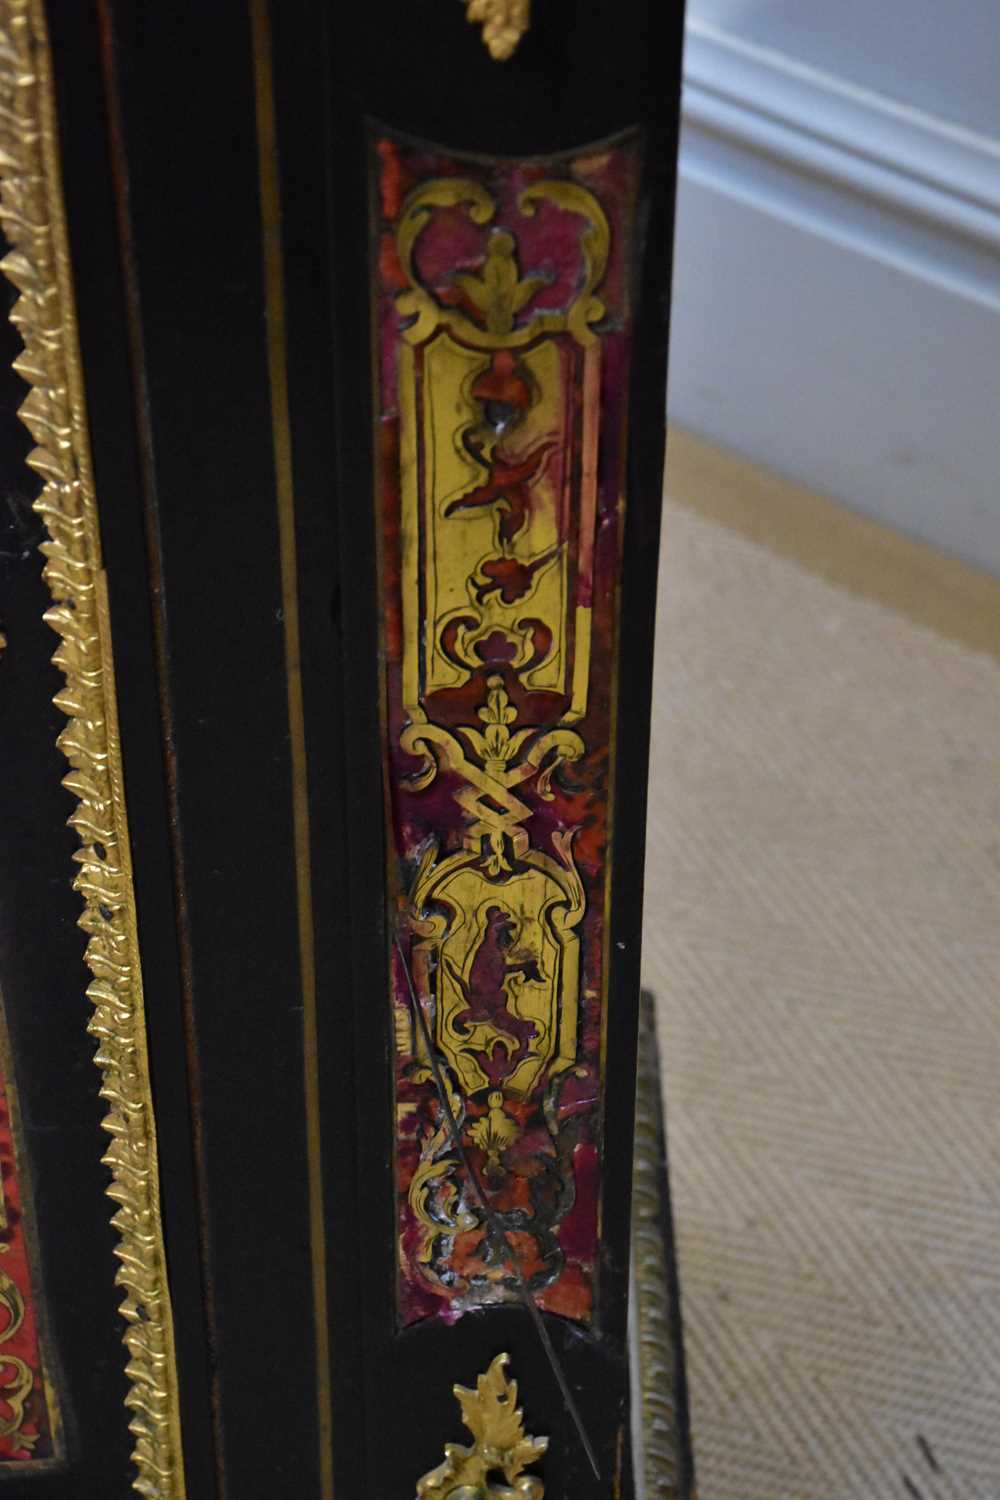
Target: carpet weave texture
[[823, 939]]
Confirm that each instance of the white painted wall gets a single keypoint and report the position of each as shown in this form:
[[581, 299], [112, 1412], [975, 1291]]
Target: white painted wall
[[938, 56], [837, 285]]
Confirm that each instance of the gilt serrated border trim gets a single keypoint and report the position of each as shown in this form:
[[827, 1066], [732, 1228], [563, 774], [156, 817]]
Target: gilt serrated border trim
[[33, 219]]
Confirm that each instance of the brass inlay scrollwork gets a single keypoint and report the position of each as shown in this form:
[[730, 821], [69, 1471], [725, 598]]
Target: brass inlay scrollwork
[[489, 514], [16, 1379], [500, 1445], [500, 292], [499, 357], [460, 913], [31, 211]]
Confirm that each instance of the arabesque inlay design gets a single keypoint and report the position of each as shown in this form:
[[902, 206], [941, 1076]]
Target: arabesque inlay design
[[502, 354]]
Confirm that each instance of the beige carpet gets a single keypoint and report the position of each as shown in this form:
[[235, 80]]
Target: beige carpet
[[823, 936]]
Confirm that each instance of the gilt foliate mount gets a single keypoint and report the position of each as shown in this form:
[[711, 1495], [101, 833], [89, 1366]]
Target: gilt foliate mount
[[504, 23], [493, 1466]]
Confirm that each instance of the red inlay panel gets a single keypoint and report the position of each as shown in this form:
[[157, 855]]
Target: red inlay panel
[[27, 1413]]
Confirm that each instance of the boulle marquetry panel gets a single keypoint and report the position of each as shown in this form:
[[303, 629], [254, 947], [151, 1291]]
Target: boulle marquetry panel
[[29, 1400], [503, 327]]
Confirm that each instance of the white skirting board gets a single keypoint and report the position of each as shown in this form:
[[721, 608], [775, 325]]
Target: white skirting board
[[837, 292]]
